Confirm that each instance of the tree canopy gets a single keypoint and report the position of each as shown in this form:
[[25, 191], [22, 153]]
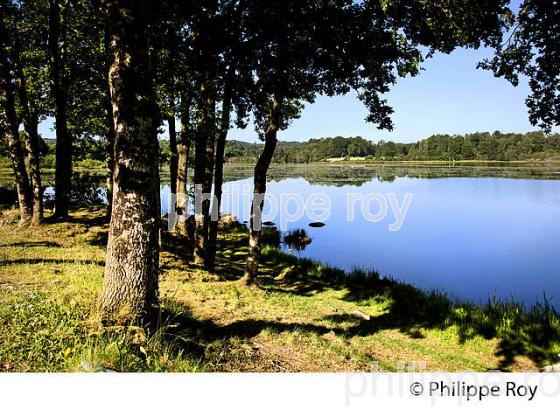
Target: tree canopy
[[532, 49]]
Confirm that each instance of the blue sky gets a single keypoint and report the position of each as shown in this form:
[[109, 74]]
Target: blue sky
[[450, 96]]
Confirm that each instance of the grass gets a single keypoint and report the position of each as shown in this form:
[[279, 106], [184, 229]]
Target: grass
[[300, 317], [552, 159]]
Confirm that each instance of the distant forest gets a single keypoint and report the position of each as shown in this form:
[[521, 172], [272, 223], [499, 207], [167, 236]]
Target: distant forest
[[496, 146], [477, 146]]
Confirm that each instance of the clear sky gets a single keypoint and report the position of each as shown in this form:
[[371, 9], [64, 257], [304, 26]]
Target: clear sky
[[450, 96]]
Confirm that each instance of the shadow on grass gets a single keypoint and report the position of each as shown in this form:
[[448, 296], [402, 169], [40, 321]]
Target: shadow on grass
[[27, 261], [213, 344], [208, 331], [231, 250], [37, 244], [81, 216], [534, 332]]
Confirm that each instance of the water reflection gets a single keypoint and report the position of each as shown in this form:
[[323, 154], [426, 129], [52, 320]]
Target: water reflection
[[471, 236], [87, 190], [297, 239], [470, 231]]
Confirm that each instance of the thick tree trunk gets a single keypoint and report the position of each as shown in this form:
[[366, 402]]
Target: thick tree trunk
[[218, 178], [173, 161], [109, 123], [56, 47], [261, 168], [9, 122], [30, 123], [130, 285], [109, 157], [183, 160]]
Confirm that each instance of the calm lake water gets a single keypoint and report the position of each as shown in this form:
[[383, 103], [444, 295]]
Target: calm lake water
[[471, 232]]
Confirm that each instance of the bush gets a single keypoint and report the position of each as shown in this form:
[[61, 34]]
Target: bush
[[90, 164]]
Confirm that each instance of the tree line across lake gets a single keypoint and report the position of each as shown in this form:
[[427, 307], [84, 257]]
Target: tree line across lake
[[116, 70], [481, 146], [484, 146]]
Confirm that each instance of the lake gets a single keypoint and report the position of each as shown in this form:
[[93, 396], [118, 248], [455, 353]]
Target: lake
[[470, 231]]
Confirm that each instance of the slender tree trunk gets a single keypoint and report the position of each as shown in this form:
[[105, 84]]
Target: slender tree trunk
[[198, 181], [173, 162], [218, 178], [183, 160], [109, 122], [56, 47], [204, 162], [130, 286], [9, 122], [206, 134], [30, 123], [261, 168], [209, 172]]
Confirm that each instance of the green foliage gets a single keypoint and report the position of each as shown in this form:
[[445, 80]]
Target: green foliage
[[90, 164], [484, 146], [495, 146], [48, 161], [532, 50], [164, 152]]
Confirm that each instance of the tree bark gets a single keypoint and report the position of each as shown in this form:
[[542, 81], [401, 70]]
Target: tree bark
[[30, 123], [109, 122], [218, 177], [261, 168], [10, 126], [130, 286], [183, 160], [56, 48], [204, 163], [206, 133], [173, 161]]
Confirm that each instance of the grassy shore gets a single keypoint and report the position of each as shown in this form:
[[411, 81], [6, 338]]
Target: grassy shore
[[536, 161], [302, 316]]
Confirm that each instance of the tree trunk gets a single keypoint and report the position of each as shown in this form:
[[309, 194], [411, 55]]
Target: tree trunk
[[173, 161], [130, 286], [218, 177], [109, 122], [9, 122], [56, 48], [204, 163], [253, 257], [183, 160], [109, 154], [206, 134], [30, 123]]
